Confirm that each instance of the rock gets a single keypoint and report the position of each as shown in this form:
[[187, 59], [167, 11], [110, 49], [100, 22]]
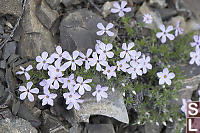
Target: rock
[[10, 80], [167, 13], [46, 15], [144, 9], [15, 107], [78, 30], [54, 3], [12, 59], [5, 113], [160, 3], [3, 64], [152, 128], [12, 7], [1, 29], [77, 129], [2, 75], [68, 3], [1, 89], [127, 129], [9, 49], [100, 128], [16, 126], [36, 38], [106, 8], [138, 1]]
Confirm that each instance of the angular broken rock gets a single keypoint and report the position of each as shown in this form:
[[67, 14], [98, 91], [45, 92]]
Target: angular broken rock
[[53, 3], [100, 128], [9, 49], [160, 3], [78, 30]]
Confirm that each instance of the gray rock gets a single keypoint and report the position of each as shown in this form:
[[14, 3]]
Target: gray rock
[[9, 49], [3, 64], [2, 75], [12, 7], [68, 3], [152, 128], [100, 128], [16, 126], [54, 3], [1, 29], [78, 30], [46, 15], [160, 3], [167, 13], [138, 1], [77, 129], [5, 113], [11, 80], [1, 89], [15, 107]]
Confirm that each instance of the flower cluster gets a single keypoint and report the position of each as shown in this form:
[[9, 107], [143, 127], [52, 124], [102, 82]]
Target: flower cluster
[[195, 56]]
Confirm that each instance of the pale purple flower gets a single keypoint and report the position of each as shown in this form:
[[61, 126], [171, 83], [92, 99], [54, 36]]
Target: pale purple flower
[[134, 70], [199, 92], [57, 68], [97, 45], [195, 57], [68, 82], [105, 29], [45, 84], [184, 106], [104, 50], [122, 65], [98, 61], [165, 33], [82, 85], [120, 8], [178, 29], [60, 54], [27, 91], [43, 61], [127, 51], [196, 41], [47, 98], [54, 79], [135, 56], [86, 58], [144, 62], [25, 71], [72, 100], [100, 92], [165, 76], [147, 18], [73, 60], [110, 71]]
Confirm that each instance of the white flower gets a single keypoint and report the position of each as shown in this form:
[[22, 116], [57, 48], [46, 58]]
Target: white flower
[[28, 91], [196, 41], [105, 29], [54, 79], [178, 29], [43, 61], [134, 70], [127, 51], [47, 98], [165, 77], [183, 108], [135, 56], [110, 71], [59, 55], [45, 84], [68, 82], [121, 9], [72, 99], [147, 18], [73, 61], [122, 65], [195, 57], [97, 45], [86, 58], [25, 71], [57, 68], [144, 62], [104, 50], [82, 85], [165, 33], [100, 92], [98, 61]]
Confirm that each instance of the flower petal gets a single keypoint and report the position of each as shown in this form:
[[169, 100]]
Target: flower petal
[[30, 97], [100, 33], [44, 55], [38, 59], [29, 85], [110, 33], [123, 4], [59, 50], [22, 88], [109, 26], [34, 90], [29, 68], [23, 95]]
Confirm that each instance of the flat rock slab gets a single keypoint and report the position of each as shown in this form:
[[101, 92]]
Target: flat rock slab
[[100, 128]]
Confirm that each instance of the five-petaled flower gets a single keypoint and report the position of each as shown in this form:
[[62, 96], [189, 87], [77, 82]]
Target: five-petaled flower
[[43, 61], [82, 85], [27, 91], [110, 71], [25, 71], [54, 79], [100, 92], [47, 98], [105, 29], [196, 41], [134, 70], [57, 68], [120, 8], [68, 82], [195, 56], [147, 18], [122, 65], [178, 29], [60, 54], [144, 62], [127, 51], [86, 58], [165, 33], [98, 61], [165, 77], [104, 50]]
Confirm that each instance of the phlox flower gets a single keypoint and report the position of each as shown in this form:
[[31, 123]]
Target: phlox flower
[[195, 57], [60, 54], [120, 8], [98, 61], [73, 60], [122, 65], [127, 51], [135, 56], [165, 33], [110, 71], [147, 18], [68, 82], [54, 79], [72, 100], [104, 50], [105, 29], [43, 61], [178, 29], [100, 92], [25, 71], [86, 58], [196, 41], [81, 85], [28, 91], [144, 62], [184, 106], [47, 98], [45, 84], [134, 70], [57, 68], [165, 77]]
